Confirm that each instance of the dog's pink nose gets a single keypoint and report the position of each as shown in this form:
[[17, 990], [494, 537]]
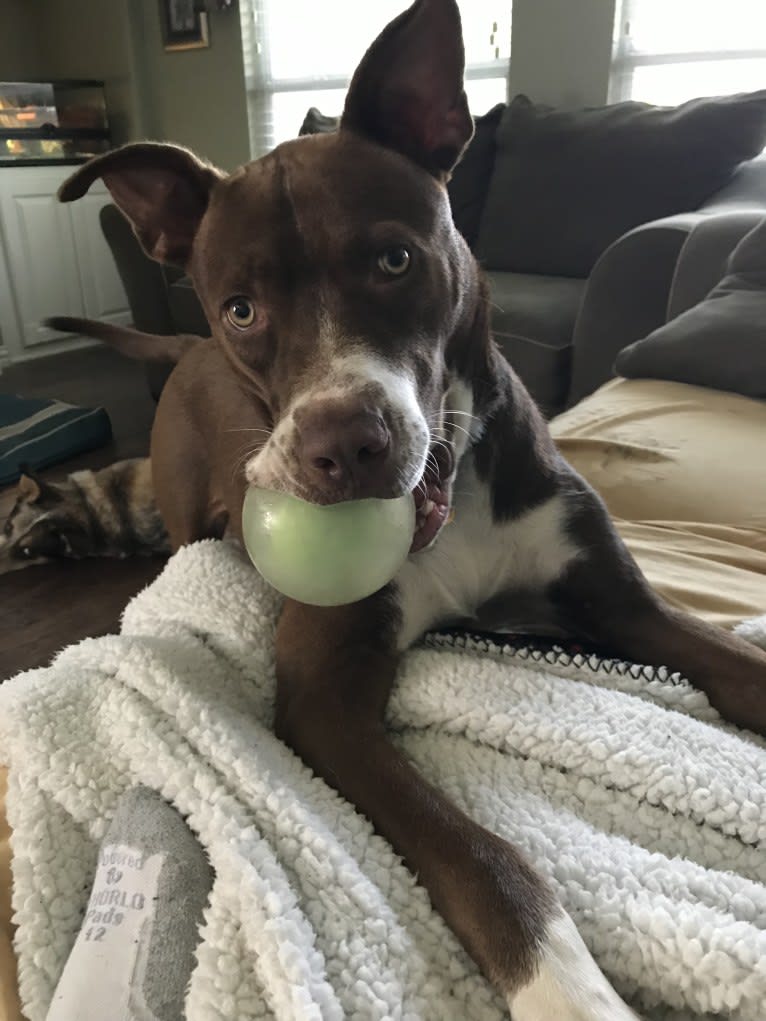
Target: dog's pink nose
[[344, 449]]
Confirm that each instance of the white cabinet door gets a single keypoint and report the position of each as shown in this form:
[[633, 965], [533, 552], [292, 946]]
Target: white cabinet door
[[102, 292], [40, 256], [56, 260]]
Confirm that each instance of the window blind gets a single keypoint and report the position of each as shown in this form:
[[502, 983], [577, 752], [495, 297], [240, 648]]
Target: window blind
[[300, 53]]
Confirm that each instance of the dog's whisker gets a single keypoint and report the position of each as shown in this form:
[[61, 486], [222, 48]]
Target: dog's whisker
[[242, 459], [460, 428], [457, 411], [251, 429]]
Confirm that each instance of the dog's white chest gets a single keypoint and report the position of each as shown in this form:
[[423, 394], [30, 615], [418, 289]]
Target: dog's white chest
[[475, 560]]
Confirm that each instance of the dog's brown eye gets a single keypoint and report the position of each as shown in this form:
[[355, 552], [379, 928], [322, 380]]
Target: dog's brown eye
[[395, 261], [241, 313]]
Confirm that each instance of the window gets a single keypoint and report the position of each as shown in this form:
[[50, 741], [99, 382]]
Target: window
[[300, 53], [668, 51]]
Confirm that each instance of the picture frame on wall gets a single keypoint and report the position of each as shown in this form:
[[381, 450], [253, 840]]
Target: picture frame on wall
[[184, 27]]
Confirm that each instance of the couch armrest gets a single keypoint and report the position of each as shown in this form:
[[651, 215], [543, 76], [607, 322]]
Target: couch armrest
[[626, 297], [629, 291], [703, 258]]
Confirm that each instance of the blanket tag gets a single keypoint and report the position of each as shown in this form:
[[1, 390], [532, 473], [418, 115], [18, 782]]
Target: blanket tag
[[104, 974]]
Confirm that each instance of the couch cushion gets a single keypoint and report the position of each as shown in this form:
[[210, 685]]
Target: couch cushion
[[568, 183], [470, 179], [533, 320], [531, 305], [317, 123], [720, 342]]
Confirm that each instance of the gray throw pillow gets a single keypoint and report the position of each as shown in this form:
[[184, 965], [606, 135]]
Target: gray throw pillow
[[721, 342], [566, 184], [469, 184]]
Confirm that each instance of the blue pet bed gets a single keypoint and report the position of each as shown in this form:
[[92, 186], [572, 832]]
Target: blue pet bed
[[38, 433]]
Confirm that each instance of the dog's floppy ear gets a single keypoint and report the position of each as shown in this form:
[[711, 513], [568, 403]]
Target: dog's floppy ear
[[407, 93], [162, 189]]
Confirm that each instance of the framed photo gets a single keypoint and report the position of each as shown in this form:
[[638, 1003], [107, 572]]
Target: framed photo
[[183, 26]]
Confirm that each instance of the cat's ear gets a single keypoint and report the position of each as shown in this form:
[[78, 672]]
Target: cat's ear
[[29, 488]]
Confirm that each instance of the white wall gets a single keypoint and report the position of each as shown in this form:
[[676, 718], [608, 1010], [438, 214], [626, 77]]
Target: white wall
[[561, 51]]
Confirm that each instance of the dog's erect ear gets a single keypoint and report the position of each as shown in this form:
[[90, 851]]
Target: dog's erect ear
[[408, 94], [162, 189]]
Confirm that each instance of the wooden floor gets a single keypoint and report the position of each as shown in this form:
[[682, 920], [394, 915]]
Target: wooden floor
[[44, 608]]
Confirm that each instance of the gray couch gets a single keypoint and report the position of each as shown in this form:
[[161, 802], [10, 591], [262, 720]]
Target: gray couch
[[578, 218], [562, 334], [680, 269]]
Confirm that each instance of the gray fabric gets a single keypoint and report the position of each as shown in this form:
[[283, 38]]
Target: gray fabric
[[532, 319], [469, 184], [746, 188], [705, 256], [317, 123], [626, 297], [532, 305], [721, 342], [568, 183], [147, 827]]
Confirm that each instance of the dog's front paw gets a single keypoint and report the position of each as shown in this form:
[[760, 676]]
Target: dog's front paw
[[742, 702], [568, 984]]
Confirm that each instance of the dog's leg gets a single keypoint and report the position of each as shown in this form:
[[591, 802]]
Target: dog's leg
[[335, 668], [181, 490], [181, 473], [604, 597]]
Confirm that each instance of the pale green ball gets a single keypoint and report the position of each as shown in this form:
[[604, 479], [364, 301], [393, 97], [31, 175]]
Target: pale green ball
[[327, 556]]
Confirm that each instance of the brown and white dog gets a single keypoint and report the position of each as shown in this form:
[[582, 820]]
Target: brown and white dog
[[352, 351]]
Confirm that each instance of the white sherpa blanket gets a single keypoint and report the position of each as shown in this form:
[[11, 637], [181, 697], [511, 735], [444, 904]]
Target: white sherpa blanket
[[648, 818]]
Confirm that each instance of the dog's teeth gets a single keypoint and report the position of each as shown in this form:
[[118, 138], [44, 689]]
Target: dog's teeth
[[428, 506]]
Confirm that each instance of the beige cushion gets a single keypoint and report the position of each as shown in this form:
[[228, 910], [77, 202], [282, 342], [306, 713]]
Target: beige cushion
[[681, 470]]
